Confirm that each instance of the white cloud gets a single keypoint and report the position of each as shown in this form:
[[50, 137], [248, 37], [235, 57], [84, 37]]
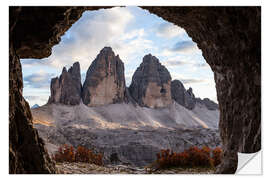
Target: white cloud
[[168, 30], [189, 80], [177, 61], [89, 35], [39, 79]]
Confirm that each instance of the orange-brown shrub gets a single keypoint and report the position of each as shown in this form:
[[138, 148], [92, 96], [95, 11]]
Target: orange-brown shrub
[[66, 153], [192, 157], [217, 154]]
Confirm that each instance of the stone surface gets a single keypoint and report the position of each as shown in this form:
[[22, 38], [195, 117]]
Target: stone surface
[[230, 39], [151, 84], [187, 98], [67, 89], [105, 80], [26, 149], [38, 42], [85, 168], [126, 133], [181, 95], [211, 105]]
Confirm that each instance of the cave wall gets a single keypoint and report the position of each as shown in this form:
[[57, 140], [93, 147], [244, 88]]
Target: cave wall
[[229, 38], [33, 31]]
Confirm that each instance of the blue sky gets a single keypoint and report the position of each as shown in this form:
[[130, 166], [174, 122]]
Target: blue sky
[[132, 33]]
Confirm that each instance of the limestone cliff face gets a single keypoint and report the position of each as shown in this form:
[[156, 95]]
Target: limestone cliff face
[[211, 105], [151, 84], [67, 88], [187, 98], [182, 96], [105, 80]]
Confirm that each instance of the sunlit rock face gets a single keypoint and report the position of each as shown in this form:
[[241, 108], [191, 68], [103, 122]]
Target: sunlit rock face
[[105, 80], [67, 88], [151, 84]]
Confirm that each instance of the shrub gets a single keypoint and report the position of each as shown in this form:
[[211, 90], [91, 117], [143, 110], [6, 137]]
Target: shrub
[[66, 153], [217, 154], [192, 157]]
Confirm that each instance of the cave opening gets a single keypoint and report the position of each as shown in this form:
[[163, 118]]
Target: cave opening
[[152, 52], [20, 49]]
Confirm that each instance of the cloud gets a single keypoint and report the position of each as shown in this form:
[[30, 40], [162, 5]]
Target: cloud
[[188, 80], [192, 81], [28, 63], [176, 62], [40, 100], [190, 61], [40, 79], [132, 45], [185, 47], [201, 65], [168, 30], [93, 31]]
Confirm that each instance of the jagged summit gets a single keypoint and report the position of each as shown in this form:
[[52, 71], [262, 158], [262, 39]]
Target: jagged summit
[[106, 49], [187, 98], [151, 83], [105, 80], [67, 88]]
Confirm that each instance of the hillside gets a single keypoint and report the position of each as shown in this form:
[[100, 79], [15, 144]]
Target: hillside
[[134, 133]]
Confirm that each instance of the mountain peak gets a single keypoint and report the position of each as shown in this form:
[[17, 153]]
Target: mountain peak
[[105, 80], [35, 106], [151, 83], [67, 88]]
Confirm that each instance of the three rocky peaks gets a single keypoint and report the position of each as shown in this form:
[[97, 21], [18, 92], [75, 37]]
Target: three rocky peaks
[[151, 85]]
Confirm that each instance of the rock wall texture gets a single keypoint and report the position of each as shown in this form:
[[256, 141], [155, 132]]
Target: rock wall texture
[[181, 95], [229, 37], [67, 88], [32, 33], [105, 80], [187, 98], [151, 84], [26, 149]]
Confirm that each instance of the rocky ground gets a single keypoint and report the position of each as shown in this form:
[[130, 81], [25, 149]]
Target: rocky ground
[[85, 168], [126, 134]]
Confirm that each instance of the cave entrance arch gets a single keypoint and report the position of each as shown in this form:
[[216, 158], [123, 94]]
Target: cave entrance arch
[[229, 38]]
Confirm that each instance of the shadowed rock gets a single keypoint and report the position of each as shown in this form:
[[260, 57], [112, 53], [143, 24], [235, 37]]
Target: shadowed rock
[[67, 88], [181, 96], [151, 84], [187, 99], [211, 105]]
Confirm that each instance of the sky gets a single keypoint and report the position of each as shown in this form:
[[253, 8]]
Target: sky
[[132, 33]]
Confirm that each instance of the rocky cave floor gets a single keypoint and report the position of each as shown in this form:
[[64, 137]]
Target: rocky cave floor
[[86, 168]]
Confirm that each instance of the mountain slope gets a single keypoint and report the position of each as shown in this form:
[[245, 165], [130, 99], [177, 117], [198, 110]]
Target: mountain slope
[[132, 132]]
